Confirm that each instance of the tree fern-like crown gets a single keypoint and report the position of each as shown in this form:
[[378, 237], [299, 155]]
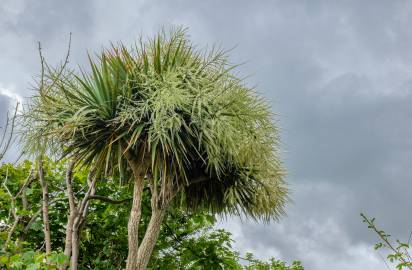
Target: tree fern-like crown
[[194, 126]]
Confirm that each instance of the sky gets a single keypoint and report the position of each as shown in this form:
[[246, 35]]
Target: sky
[[338, 74]]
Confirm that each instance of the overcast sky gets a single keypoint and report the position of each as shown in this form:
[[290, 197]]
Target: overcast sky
[[337, 73]]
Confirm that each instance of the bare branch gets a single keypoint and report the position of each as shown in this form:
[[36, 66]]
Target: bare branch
[[58, 73], [7, 138], [5, 129]]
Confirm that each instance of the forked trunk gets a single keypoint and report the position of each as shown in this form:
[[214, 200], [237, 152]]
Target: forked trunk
[[150, 238], [139, 255], [81, 214], [134, 219], [77, 217]]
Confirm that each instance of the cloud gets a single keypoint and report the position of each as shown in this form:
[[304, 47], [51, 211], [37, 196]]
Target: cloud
[[11, 94], [339, 75], [349, 151]]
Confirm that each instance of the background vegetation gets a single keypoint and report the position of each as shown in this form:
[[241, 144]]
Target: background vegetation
[[186, 241]]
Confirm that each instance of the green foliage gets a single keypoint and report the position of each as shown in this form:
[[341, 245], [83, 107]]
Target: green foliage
[[28, 259], [272, 264], [182, 112], [398, 250], [31, 214], [187, 240]]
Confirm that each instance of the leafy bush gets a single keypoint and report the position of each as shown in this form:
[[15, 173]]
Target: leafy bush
[[187, 240]]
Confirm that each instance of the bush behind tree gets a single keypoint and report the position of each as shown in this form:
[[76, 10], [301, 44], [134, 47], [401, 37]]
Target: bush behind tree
[[187, 240]]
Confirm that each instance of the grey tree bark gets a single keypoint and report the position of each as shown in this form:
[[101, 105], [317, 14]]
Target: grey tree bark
[[139, 255], [72, 214], [80, 218], [77, 216], [150, 238], [45, 207], [135, 215]]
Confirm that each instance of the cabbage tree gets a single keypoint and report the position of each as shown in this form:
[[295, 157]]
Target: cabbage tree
[[175, 118]]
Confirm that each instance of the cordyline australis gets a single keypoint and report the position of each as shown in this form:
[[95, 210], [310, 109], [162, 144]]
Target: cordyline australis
[[174, 118]]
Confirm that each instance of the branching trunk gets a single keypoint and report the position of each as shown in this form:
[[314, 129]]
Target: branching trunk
[[45, 207], [160, 202], [80, 218], [150, 238], [135, 215], [139, 255], [77, 216]]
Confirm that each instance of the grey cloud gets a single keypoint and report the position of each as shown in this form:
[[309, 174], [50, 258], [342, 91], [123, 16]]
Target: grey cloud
[[348, 152], [46, 20], [337, 73]]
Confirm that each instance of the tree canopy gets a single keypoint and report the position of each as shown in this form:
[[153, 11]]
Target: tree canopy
[[174, 120], [191, 123]]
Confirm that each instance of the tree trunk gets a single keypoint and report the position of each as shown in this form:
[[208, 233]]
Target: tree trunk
[[80, 217], [68, 241], [139, 256], [77, 216], [24, 201], [45, 207], [150, 237], [135, 214], [72, 215], [75, 249], [133, 226]]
